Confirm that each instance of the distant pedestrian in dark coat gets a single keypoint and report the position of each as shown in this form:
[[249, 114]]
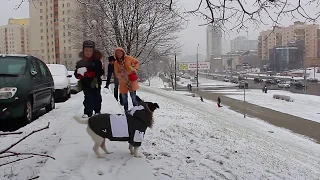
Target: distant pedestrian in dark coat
[[111, 60], [89, 71], [219, 102]]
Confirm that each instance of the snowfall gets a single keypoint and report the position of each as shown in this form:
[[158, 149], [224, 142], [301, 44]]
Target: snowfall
[[190, 140]]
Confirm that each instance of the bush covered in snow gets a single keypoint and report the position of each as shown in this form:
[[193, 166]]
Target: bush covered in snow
[[283, 97]]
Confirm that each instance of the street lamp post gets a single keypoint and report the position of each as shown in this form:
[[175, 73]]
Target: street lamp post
[[198, 67]]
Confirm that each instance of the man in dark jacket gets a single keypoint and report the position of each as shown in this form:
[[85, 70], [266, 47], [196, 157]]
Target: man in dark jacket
[[111, 60], [89, 71]]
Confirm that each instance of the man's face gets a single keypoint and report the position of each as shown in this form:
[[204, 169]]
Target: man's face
[[119, 54], [88, 52]]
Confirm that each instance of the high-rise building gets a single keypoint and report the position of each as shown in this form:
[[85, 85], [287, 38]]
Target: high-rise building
[[242, 43], [51, 38], [282, 36], [214, 42], [14, 39], [19, 21]]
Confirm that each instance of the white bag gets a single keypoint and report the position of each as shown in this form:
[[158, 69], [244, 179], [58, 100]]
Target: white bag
[[82, 71], [138, 136]]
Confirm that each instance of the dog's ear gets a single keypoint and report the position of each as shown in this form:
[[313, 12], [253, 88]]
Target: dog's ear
[[153, 106], [138, 99]]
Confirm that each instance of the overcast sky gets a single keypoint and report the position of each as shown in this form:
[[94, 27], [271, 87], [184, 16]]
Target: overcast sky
[[189, 38]]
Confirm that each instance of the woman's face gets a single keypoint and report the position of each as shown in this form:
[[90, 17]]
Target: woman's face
[[119, 54]]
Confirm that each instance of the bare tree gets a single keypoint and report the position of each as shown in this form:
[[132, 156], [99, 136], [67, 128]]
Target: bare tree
[[138, 26], [241, 14]]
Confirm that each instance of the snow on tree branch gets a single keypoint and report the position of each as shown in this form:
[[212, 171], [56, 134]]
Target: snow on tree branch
[[239, 14]]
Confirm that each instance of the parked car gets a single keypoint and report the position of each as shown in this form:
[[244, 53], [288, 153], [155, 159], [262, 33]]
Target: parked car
[[73, 82], [234, 80], [226, 79], [283, 84], [257, 80], [313, 80], [243, 84], [300, 85], [26, 86], [62, 84], [277, 80], [271, 81]]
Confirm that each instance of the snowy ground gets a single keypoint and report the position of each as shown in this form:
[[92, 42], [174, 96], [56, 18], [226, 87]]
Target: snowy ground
[[195, 140], [75, 158], [42, 142], [157, 83], [190, 140], [304, 106]]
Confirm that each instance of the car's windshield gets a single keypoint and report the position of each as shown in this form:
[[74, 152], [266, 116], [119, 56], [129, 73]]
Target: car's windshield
[[12, 65]]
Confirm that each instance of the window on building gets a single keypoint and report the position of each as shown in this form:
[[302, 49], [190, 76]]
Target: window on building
[[41, 37], [62, 5], [70, 55], [41, 10], [68, 4], [41, 44], [65, 56], [52, 42], [40, 3], [63, 20], [42, 50], [52, 56], [64, 27], [62, 12], [41, 30], [50, 7], [64, 34], [64, 41], [68, 12], [51, 15], [52, 49], [69, 40], [69, 48], [41, 17], [41, 24], [51, 35], [69, 33]]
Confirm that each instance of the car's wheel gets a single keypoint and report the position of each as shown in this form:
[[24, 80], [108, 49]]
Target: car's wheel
[[51, 105], [28, 111]]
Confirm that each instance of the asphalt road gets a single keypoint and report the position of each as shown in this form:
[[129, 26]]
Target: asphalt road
[[313, 88]]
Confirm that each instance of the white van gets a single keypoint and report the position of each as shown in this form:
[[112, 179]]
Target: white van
[[61, 78]]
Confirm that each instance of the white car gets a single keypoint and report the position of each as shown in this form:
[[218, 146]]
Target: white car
[[73, 82], [61, 80], [284, 85]]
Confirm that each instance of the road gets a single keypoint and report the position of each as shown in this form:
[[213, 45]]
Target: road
[[313, 88]]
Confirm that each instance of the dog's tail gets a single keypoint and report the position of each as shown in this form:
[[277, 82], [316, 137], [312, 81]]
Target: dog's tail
[[80, 121]]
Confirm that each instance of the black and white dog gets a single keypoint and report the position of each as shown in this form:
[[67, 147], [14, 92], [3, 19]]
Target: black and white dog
[[130, 127]]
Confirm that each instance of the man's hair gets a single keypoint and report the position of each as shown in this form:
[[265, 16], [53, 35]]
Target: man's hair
[[111, 58]]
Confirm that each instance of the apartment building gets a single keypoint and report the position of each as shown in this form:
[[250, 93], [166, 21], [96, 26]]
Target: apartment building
[[14, 39], [282, 36], [214, 42], [242, 43], [51, 38], [19, 21]]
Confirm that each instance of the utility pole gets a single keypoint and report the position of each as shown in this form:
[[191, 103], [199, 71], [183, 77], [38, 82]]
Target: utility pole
[[305, 72], [175, 71], [198, 67]]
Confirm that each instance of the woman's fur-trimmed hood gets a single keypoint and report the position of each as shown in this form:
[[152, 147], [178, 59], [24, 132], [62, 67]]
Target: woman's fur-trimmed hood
[[119, 49], [97, 55]]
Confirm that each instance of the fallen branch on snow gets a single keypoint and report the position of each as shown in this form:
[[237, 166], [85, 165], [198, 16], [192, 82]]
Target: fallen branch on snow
[[12, 153], [10, 133]]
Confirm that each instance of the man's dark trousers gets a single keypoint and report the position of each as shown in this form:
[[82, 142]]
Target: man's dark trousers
[[92, 101], [116, 90]]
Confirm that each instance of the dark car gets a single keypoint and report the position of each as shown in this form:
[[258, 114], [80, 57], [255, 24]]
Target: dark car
[[300, 85], [257, 80], [234, 80], [271, 81], [26, 85], [243, 84]]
